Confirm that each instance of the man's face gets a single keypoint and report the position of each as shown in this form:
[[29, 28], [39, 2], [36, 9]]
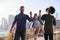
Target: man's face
[[22, 9], [49, 10]]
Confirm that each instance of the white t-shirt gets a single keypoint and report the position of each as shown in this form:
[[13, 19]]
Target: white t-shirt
[[37, 24]]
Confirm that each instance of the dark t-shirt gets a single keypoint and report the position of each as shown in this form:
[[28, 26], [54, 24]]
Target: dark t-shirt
[[49, 22], [20, 19]]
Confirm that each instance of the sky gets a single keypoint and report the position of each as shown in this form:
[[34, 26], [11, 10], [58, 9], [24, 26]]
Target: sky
[[11, 7]]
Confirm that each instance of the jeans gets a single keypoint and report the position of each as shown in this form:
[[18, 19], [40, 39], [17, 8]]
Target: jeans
[[50, 36], [18, 35]]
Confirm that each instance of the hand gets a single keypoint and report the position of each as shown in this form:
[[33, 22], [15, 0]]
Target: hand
[[10, 30], [39, 11]]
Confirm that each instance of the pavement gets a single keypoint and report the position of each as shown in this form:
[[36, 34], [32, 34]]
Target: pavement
[[39, 38]]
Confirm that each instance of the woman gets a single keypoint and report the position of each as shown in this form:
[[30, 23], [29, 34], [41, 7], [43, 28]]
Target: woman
[[49, 22]]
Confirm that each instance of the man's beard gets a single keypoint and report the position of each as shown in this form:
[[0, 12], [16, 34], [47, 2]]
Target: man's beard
[[22, 12]]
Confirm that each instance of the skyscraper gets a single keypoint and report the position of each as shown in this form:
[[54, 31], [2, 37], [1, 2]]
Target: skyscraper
[[4, 24], [0, 27], [10, 20]]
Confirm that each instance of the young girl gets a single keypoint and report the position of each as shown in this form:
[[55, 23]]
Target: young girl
[[36, 26]]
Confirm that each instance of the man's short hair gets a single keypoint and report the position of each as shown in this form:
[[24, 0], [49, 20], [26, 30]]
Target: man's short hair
[[22, 7], [30, 11]]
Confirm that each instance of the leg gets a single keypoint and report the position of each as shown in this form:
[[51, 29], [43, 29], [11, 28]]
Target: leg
[[17, 36], [35, 36], [50, 36], [23, 36], [46, 36], [36, 33], [37, 30]]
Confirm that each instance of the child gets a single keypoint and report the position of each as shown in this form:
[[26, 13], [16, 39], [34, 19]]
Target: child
[[36, 26]]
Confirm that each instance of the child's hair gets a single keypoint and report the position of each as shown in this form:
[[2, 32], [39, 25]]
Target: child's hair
[[52, 9], [35, 14]]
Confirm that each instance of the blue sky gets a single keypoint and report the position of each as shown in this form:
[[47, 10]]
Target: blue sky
[[11, 7]]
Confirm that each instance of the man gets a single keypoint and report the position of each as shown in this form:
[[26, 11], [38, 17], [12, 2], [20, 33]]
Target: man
[[30, 13], [20, 19], [50, 21], [39, 18]]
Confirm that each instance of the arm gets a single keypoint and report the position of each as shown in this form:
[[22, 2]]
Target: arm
[[39, 18], [54, 21], [43, 18], [40, 13], [29, 18], [13, 24]]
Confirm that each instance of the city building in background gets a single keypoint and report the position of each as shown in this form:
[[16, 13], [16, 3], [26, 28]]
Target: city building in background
[[4, 24], [10, 20]]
